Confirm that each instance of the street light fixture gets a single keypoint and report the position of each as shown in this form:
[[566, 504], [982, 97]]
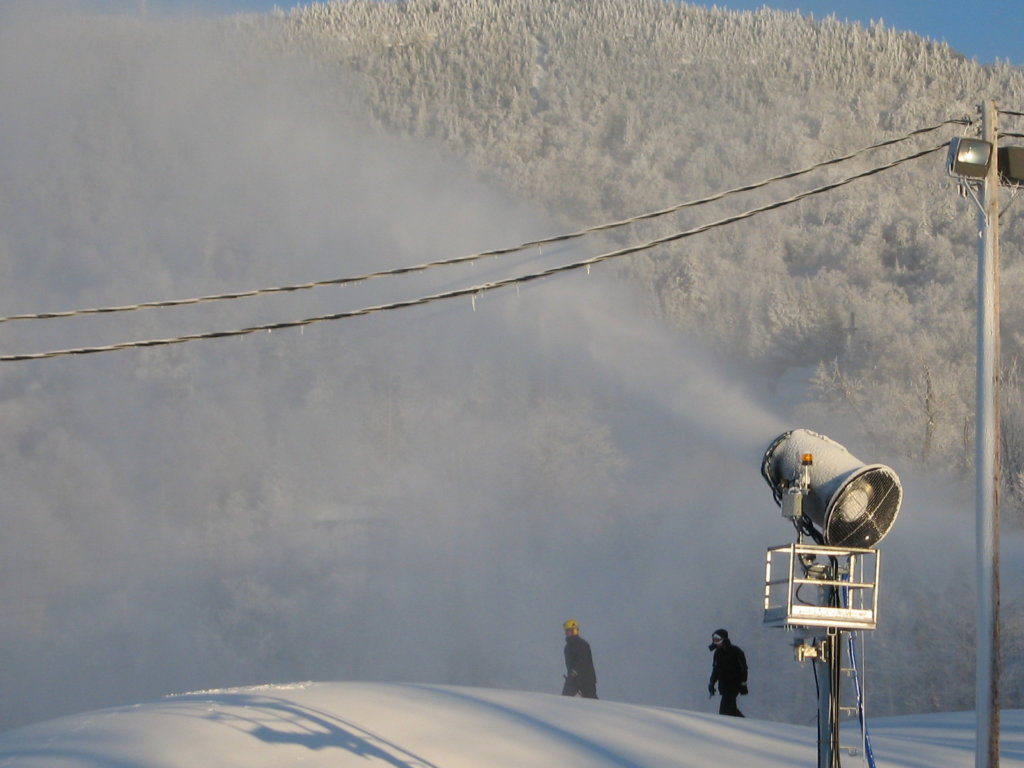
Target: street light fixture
[[1011, 165], [969, 158]]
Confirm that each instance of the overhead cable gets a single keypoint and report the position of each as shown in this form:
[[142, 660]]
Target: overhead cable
[[476, 290], [484, 254]]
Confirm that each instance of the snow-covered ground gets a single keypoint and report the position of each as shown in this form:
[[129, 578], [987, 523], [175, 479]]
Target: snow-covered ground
[[430, 726]]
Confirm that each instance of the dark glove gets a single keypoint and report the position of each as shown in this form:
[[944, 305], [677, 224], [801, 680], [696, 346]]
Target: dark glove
[[743, 689], [711, 689]]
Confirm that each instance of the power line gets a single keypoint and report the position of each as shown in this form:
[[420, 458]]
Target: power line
[[484, 254], [484, 287]]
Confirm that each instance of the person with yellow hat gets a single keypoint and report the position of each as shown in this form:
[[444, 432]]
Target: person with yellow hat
[[580, 677]]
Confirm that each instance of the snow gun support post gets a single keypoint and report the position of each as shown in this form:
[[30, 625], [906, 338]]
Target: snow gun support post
[[831, 585]]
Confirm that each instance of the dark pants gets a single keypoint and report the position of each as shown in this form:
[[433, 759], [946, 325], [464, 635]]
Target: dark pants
[[585, 688], [728, 705]]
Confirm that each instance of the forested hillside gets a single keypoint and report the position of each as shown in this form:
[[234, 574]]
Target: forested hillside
[[603, 110], [227, 461]]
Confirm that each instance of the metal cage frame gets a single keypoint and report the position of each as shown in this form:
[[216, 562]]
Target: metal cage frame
[[853, 574]]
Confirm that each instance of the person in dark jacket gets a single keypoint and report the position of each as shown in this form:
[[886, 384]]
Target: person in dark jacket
[[580, 678], [729, 671]]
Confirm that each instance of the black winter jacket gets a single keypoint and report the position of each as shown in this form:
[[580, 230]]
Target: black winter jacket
[[579, 662], [729, 667]]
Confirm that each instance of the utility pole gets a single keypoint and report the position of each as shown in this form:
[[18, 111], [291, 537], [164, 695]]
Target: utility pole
[[987, 459]]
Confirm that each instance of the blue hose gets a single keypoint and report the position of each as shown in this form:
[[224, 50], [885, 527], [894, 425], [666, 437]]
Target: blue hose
[[868, 752]]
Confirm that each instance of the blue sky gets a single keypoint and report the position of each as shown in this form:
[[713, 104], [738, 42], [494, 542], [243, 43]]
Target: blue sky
[[983, 29]]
